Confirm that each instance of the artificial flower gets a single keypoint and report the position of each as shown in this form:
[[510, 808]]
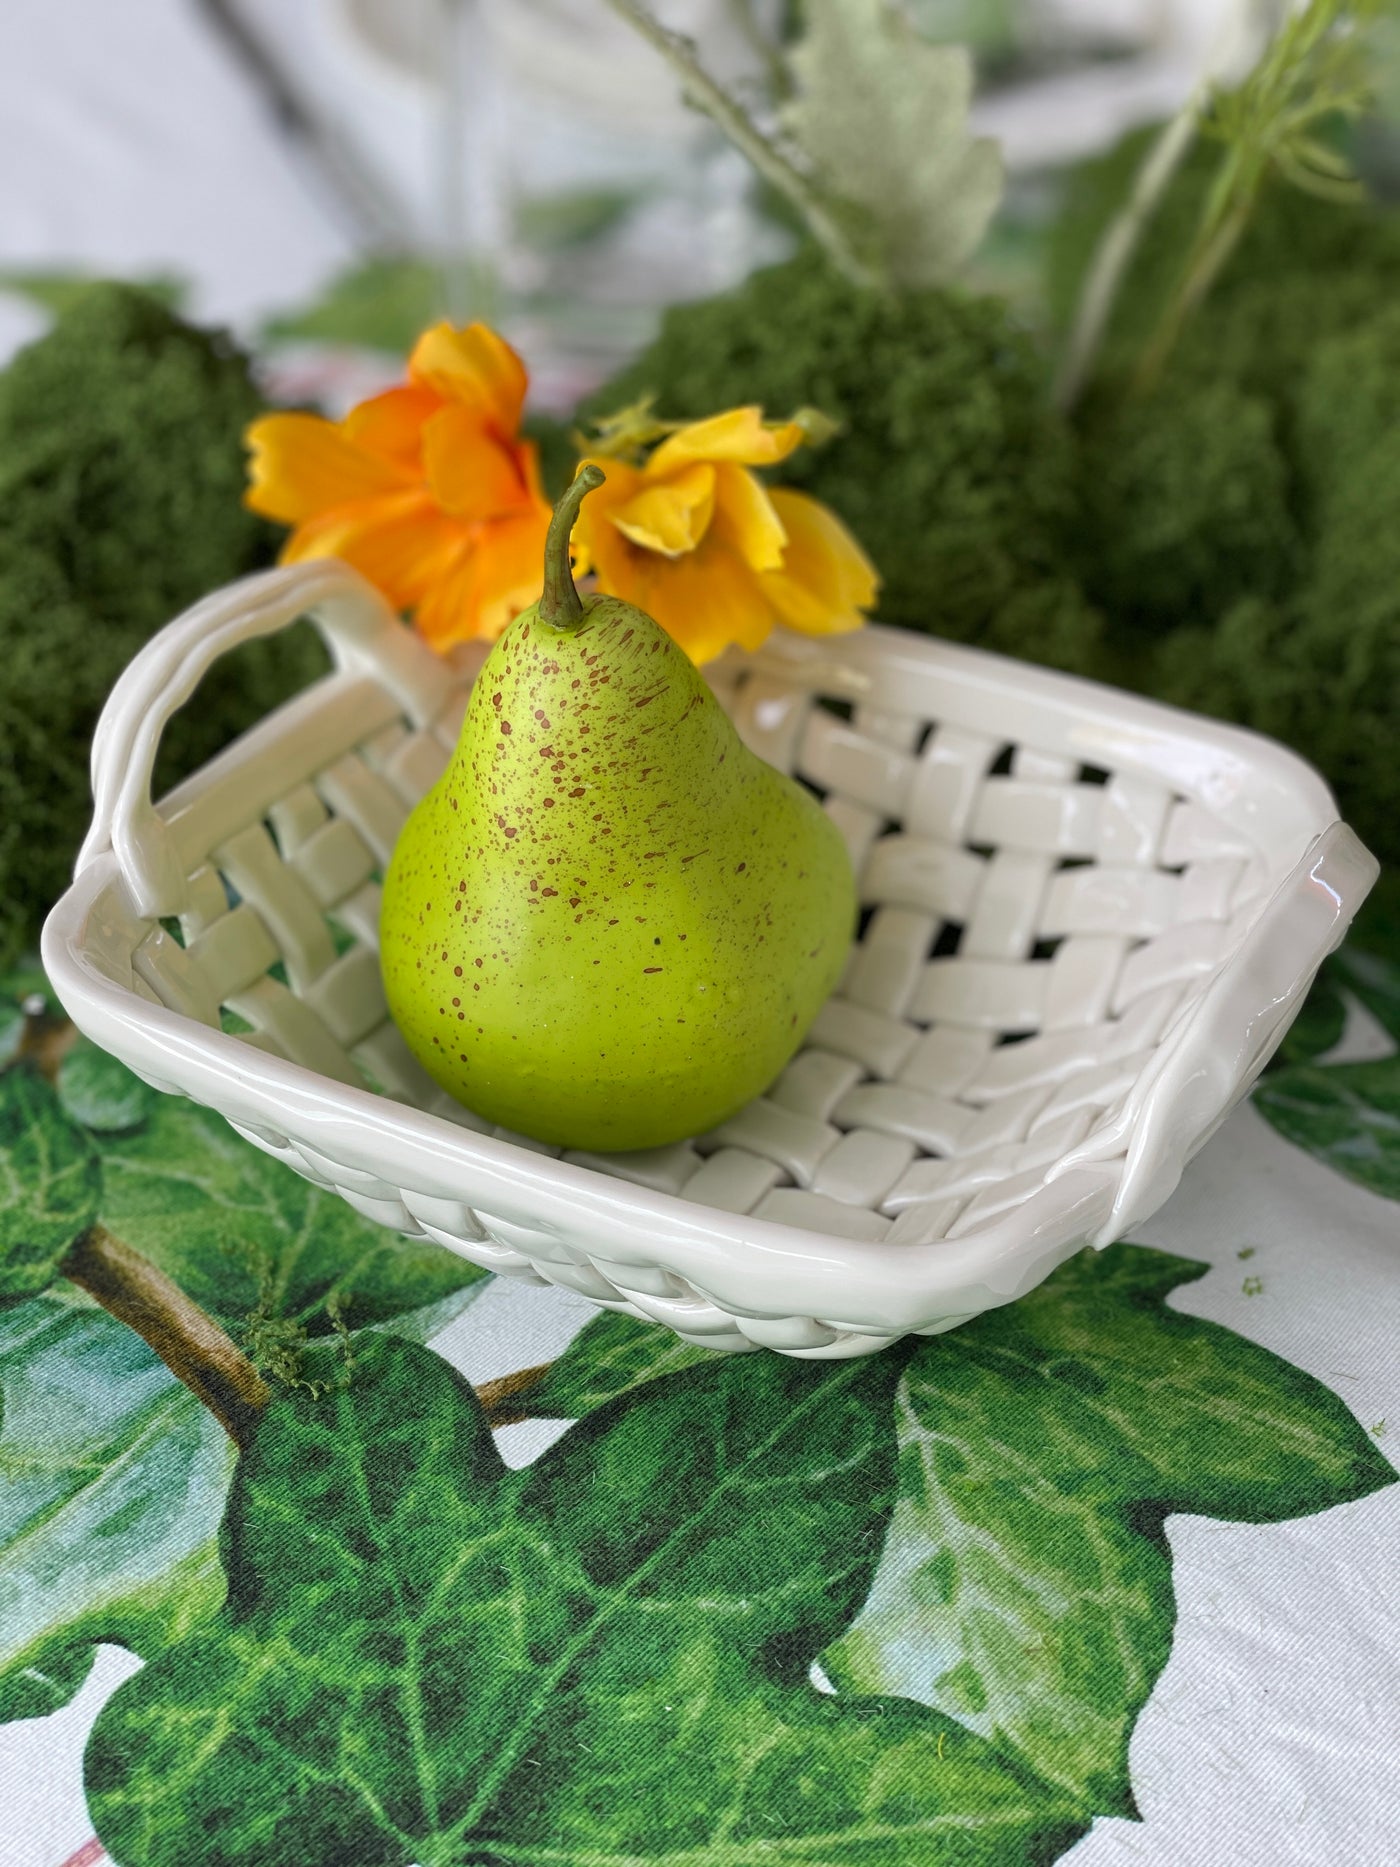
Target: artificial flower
[[695, 539], [428, 489]]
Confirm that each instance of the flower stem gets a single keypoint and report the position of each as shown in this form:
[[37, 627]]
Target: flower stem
[[191, 1344], [1116, 249], [707, 95], [560, 605]]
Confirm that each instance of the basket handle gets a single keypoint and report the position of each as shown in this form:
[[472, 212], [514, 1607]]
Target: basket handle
[[1210, 1063], [363, 636]]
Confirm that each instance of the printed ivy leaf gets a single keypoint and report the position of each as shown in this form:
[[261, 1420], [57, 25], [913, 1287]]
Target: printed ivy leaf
[[1375, 980], [1318, 1026], [882, 116], [49, 1185], [100, 1093], [1375, 936], [1025, 1587], [233, 1227], [112, 1480], [426, 1657], [1346, 1114], [610, 1355]]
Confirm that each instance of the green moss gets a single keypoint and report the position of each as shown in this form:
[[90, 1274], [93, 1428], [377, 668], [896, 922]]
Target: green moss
[[1187, 504], [950, 468], [1348, 399], [1306, 269], [121, 475]]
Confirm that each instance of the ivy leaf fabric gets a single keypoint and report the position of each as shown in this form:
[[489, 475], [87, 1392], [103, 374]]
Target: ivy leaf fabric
[[101, 1093], [882, 116], [610, 1356], [238, 1231], [1318, 1026], [1025, 1587], [1369, 963], [112, 1481], [1348, 1114], [50, 1180], [425, 1657], [1345, 1114]]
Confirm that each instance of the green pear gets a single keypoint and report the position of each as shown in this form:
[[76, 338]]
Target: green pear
[[608, 925]]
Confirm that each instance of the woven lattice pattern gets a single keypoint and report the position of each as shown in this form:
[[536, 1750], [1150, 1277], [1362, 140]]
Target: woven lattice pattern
[[1031, 929]]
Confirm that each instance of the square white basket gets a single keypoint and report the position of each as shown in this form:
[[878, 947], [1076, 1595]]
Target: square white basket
[[1088, 921]]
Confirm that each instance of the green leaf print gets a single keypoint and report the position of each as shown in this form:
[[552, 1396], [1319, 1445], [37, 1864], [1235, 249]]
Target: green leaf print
[[1318, 1026], [101, 1093], [49, 1185], [609, 1356], [112, 1480], [1348, 1114], [238, 1230], [426, 1657], [112, 1477], [1025, 1587]]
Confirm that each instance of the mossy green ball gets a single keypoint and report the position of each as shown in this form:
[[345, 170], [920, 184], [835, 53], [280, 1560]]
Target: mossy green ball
[[121, 482]]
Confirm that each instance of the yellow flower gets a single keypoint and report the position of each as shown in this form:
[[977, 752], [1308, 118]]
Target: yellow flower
[[693, 538], [427, 489]]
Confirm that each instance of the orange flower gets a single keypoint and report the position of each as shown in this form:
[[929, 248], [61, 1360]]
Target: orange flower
[[693, 538], [427, 489]]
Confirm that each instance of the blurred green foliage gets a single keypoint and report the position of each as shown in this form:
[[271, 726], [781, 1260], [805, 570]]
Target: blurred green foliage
[[121, 480], [1226, 542]]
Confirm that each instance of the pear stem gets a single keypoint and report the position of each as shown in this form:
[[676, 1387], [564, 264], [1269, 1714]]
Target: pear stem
[[560, 605]]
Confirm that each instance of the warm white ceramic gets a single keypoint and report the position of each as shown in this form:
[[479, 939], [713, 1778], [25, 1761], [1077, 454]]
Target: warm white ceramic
[[1142, 899]]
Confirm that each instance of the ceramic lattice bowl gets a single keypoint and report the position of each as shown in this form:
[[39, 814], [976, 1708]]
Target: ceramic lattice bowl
[[1087, 922]]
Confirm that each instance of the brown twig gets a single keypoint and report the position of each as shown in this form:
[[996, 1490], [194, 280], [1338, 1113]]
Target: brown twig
[[496, 1397], [46, 1041], [191, 1344], [735, 122]]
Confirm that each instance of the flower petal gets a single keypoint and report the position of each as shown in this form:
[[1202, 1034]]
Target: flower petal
[[475, 367], [746, 518], [672, 517], [302, 464], [392, 424], [593, 532], [487, 582], [740, 435], [826, 580], [472, 472], [401, 543], [706, 600]]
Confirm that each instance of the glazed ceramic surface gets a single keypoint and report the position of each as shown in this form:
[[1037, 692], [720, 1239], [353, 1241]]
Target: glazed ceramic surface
[[1088, 920]]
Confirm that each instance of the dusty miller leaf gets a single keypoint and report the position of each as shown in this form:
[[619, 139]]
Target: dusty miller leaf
[[1026, 1586], [882, 117], [571, 1663], [112, 1480]]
